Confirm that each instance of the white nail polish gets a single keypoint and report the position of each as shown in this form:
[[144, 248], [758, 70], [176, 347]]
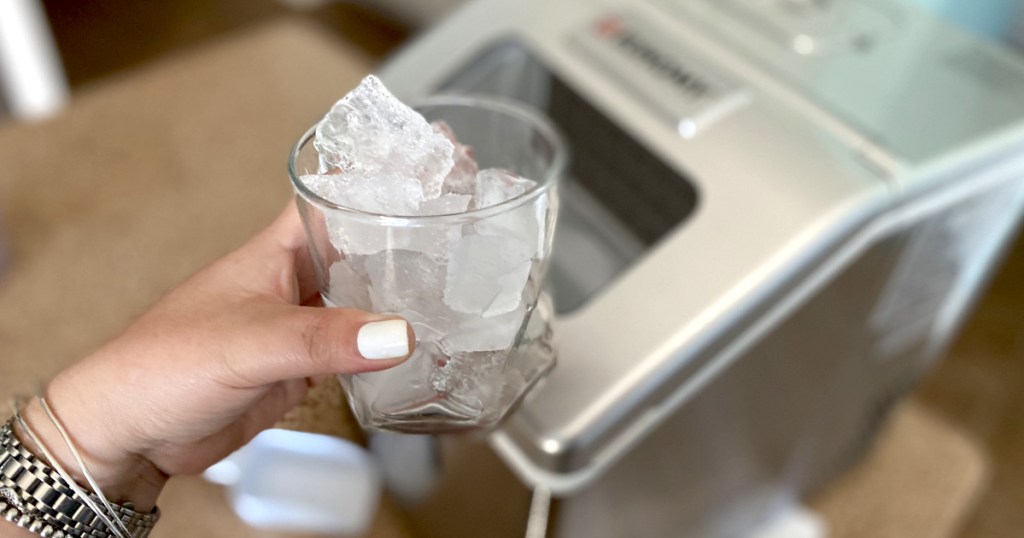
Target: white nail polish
[[387, 339]]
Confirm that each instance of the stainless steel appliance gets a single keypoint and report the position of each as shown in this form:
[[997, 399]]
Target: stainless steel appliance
[[779, 213]]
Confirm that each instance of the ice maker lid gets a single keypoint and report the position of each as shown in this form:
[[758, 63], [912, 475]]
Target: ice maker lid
[[914, 86]]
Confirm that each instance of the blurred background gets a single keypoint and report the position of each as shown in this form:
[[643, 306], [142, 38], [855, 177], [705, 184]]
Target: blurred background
[[96, 39], [977, 389]]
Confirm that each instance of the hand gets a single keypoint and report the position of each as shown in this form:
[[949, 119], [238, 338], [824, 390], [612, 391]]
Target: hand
[[213, 363]]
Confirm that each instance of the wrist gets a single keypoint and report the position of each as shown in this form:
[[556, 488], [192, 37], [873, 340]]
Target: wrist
[[123, 477]]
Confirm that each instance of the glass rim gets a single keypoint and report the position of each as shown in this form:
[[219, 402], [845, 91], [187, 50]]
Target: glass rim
[[515, 109]]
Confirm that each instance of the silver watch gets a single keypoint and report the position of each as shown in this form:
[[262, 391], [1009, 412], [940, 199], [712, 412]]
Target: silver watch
[[34, 496]]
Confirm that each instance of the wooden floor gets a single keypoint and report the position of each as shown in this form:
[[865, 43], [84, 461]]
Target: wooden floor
[[98, 38], [980, 387]]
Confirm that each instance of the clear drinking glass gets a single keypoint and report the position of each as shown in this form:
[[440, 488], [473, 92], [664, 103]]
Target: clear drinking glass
[[468, 282]]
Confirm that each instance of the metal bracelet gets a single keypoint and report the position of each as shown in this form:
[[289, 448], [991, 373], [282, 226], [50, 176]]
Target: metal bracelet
[[34, 496], [112, 516]]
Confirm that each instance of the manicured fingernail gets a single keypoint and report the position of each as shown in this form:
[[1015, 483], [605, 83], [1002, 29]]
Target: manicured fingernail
[[387, 339]]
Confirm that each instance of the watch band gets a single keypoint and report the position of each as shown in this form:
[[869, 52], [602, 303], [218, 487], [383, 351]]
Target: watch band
[[36, 497]]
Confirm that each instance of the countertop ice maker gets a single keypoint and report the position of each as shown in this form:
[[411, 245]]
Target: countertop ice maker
[[777, 215]]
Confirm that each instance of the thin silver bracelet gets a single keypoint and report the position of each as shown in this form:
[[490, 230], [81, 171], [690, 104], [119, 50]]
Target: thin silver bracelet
[[81, 495], [120, 529], [34, 494]]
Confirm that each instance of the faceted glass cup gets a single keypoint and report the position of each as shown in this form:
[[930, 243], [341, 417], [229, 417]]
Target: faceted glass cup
[[469, 282]]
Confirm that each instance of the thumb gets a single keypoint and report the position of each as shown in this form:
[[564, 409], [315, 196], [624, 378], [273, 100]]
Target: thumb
[[301, 341]]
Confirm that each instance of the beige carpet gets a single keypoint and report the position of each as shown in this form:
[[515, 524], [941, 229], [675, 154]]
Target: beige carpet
[[141, 182]]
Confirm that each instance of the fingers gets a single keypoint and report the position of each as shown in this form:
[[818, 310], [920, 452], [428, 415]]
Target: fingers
[[297, 341], [287, 231], [287, 227], [309, 342]]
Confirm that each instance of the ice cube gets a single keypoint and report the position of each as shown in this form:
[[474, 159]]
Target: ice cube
[[351, 235], [462, 178], [435, 239], [511, 285], [446, 204], [326, 186], [385, 194], [474, 376], [348, 284], [528, 222], [487, 274], [410, 284], [405, 279], [495, 185], [427, 329], [390, 159], [470, 332]]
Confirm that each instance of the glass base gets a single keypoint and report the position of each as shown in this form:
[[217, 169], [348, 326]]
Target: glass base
[[433, 392]]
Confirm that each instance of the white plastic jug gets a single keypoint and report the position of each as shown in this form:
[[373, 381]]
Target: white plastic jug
[[301, 482]]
